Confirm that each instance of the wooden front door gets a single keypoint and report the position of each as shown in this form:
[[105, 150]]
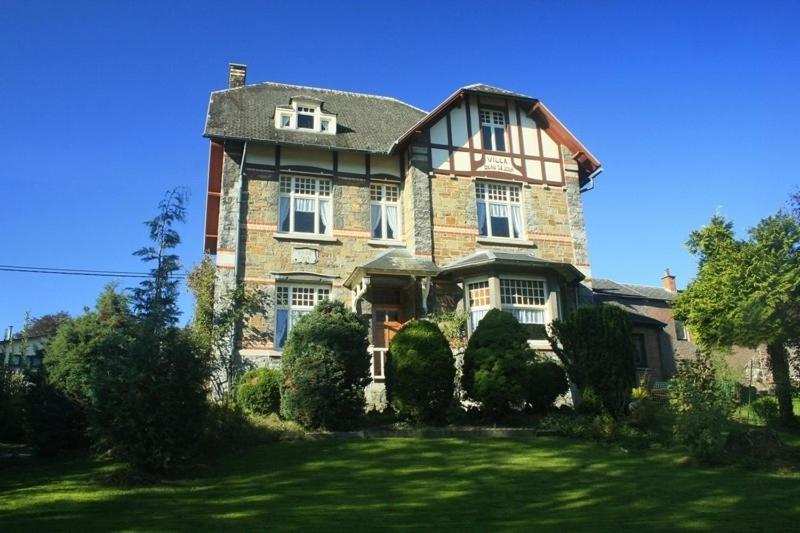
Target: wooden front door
[[386, 321]]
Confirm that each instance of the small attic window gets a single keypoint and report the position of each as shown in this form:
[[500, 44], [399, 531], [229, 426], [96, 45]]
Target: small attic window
[[325, 125], [305, 117], [285, 120]]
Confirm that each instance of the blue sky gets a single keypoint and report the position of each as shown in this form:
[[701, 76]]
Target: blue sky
[[691, 107]]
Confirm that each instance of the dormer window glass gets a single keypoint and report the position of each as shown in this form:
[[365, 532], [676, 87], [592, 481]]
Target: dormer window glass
[[305, 117], [285, 120], [493, 130], [324, 125]]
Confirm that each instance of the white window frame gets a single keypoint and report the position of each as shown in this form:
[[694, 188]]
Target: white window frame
[[285, 294], [307, 107], [323, 191], [514, 307], [307, 111], [383, 203], [493, 119], [486, 195], [472, 324]]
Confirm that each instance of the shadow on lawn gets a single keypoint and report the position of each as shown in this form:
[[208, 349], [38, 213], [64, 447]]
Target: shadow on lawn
[[472, 484]]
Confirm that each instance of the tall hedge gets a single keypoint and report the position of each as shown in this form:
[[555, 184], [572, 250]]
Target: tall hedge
[[420, 372], [326, 367], [595, 345], [496, 364]]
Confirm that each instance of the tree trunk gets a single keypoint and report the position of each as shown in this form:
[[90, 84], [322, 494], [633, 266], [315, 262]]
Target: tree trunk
[[779, 365]]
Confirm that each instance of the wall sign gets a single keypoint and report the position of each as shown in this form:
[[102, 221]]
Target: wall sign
[[305, 255], [498, 163]]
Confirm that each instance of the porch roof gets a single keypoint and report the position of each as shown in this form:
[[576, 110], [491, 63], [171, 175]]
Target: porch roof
[[393, 262], [483, 259]]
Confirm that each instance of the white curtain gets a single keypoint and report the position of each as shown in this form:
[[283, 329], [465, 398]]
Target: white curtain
[[529, 316], [516, 220], [391, 221], [498, 210], [304, 205], [324, 215], [476, 316], [375, 209], [283, 213], [482, 218]]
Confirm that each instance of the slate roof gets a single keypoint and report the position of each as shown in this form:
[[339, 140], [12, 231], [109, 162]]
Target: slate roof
[[398, 261], [607, 287], [483, 88], [636, 317], [366, 123], [490, 257]]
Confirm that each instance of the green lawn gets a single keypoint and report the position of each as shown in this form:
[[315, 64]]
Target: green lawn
[[449, 483]]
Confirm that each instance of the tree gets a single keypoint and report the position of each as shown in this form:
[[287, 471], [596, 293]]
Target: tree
[[746, 292], [80, 344], [326, 367], [47, 324], [155, 300], [420, 372], [496, 363], [595, 345]]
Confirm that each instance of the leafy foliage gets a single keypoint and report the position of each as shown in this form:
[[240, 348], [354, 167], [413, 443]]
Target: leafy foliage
[[595, 345], [81, 343], [12, 402], [47, 324], [259, 391], [766, 409], [747, 292], [702, 403], [453, 325], [496, 363], [326, 367], [149, 402], [420, 372], [546, 382], [54, 421]]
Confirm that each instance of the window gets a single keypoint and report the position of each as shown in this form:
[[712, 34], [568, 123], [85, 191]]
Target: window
[[523, 298], [305, 117], [493, 130], [639, 350], [499, 210], [285, 120], [680, 331], [292, 302], [304, 205], [479, 299], [384, 209], [325, 125]]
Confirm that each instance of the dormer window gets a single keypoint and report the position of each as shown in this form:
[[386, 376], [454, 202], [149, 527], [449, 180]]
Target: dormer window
[[305, 113]]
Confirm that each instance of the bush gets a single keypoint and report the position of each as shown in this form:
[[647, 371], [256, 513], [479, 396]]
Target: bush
[[546, 382], [766, 409], [326, 368], [150, 402], [420, 372], [54, 422], [259, 391], [595, 345], [496, 363], [702, 404], [12, 402]]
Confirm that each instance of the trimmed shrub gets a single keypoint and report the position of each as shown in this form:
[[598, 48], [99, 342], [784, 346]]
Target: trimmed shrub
[[326, 367], [259, 391], [546, 382], [420, 372], [702, 403], [595, 344], [766, 409], [496, 364]]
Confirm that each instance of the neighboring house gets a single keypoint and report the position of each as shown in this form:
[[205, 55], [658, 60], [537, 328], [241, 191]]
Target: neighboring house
[[11, 351], [317, 193]]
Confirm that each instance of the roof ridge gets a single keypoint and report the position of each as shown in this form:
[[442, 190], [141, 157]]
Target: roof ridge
[[335, 91]]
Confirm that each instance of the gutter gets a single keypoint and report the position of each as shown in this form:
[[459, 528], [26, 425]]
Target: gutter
[[591, 178]]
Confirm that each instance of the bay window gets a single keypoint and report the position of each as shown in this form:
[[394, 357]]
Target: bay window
[[292, 302], [499, 210], [479, 299], [304, 205], [523, 298], [384, 211]]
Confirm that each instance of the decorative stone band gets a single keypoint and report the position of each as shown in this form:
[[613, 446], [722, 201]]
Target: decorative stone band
[[272, 228], [226, 258]]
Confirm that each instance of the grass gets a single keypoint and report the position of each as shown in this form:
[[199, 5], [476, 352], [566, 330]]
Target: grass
[[545, 483]]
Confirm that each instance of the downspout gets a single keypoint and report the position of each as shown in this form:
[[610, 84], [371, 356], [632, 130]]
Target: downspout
[[591, 178]]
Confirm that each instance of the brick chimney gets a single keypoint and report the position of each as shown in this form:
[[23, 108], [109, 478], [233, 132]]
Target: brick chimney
[[668, 281], [236, 75]]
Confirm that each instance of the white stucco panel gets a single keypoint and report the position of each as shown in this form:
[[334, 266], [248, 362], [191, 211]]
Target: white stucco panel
[[309, 158], [261, 154], [352, 162], [384, 164], [439, 131], [549, 146], [461, 161], [458, 126], [533, 169], [529, 137], [440, 159], [553, 171]]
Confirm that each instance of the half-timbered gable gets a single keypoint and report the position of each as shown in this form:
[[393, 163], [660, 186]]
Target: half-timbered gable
[[316, 193]]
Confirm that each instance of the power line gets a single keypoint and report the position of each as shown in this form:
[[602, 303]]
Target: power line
[[79, 272]]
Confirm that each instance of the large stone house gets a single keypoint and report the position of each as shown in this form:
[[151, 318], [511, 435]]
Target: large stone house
[[398, 212]]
